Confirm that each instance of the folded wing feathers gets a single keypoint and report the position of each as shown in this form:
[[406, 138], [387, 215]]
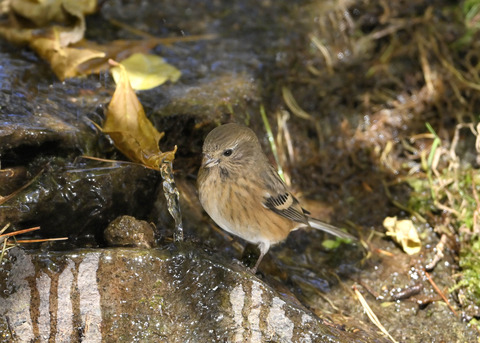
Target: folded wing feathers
[[287, 206]]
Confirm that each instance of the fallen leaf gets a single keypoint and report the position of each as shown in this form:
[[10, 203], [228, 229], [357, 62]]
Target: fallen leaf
[[55, 30], [68, 16], [404, 233], [15, 35], [147, 71], [128, 126], [63, 60], [39, 12], [115, 50], [52, 43]]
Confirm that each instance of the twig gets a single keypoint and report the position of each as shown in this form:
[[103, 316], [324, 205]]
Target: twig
[[11, 195], [370, 290], [4, 249], [435, 287], [476, 213], [384, 252], [164, 41], [427, 71], [439, 255], [4, 228]]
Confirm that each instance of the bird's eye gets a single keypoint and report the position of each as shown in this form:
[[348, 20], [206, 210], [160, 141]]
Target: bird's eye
[[227, 152]]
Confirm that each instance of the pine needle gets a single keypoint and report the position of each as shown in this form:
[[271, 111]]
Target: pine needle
[[371, 315], [435, 287], [6, 245]]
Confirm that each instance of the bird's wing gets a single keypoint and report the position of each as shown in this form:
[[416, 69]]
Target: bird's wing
[[287, 206], [280, 200]]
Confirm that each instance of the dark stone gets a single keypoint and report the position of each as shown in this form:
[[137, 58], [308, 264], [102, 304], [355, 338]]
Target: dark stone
[[128, 231]]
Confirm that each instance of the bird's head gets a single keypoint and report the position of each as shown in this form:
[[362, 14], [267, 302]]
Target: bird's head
[[231, 147]]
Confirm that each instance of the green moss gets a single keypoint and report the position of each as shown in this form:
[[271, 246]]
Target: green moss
[[449, 193], [470, 276], [420, 198]]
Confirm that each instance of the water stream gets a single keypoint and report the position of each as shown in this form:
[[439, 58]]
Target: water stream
[[173, 198]]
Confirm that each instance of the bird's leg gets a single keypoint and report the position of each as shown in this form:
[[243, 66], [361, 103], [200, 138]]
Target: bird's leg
[[263, 250], [254, 269]]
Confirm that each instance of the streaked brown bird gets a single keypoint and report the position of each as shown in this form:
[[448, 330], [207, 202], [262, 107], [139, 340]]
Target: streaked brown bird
[[241, 191]]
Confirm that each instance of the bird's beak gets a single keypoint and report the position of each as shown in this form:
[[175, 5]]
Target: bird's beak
[[209, 162]]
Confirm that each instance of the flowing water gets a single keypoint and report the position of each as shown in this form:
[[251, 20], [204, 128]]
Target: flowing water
[[173, 199]]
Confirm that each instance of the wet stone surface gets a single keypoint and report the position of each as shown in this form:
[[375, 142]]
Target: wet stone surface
[[137, 295]]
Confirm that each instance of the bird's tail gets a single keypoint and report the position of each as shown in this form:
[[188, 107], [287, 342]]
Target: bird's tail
[[319, 225]]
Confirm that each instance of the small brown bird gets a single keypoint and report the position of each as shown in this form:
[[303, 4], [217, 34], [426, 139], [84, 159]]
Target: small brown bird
[[244, 195]]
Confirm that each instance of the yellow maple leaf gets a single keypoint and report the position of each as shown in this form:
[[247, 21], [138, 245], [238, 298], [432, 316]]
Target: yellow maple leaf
[[128, 126], [147, 71]]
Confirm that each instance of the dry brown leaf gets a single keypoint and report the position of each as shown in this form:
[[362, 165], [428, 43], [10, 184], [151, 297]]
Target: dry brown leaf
[[61, 44], [128, 126], [42, 12], [68, 16], [52, 42], [15, 35], [63, 60]]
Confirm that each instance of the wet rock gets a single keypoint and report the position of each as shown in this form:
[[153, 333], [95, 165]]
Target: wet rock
[[128, 231], [35, 130], [126, 295], [12, 179], [69, 199], [39, 115], [211, 97]]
